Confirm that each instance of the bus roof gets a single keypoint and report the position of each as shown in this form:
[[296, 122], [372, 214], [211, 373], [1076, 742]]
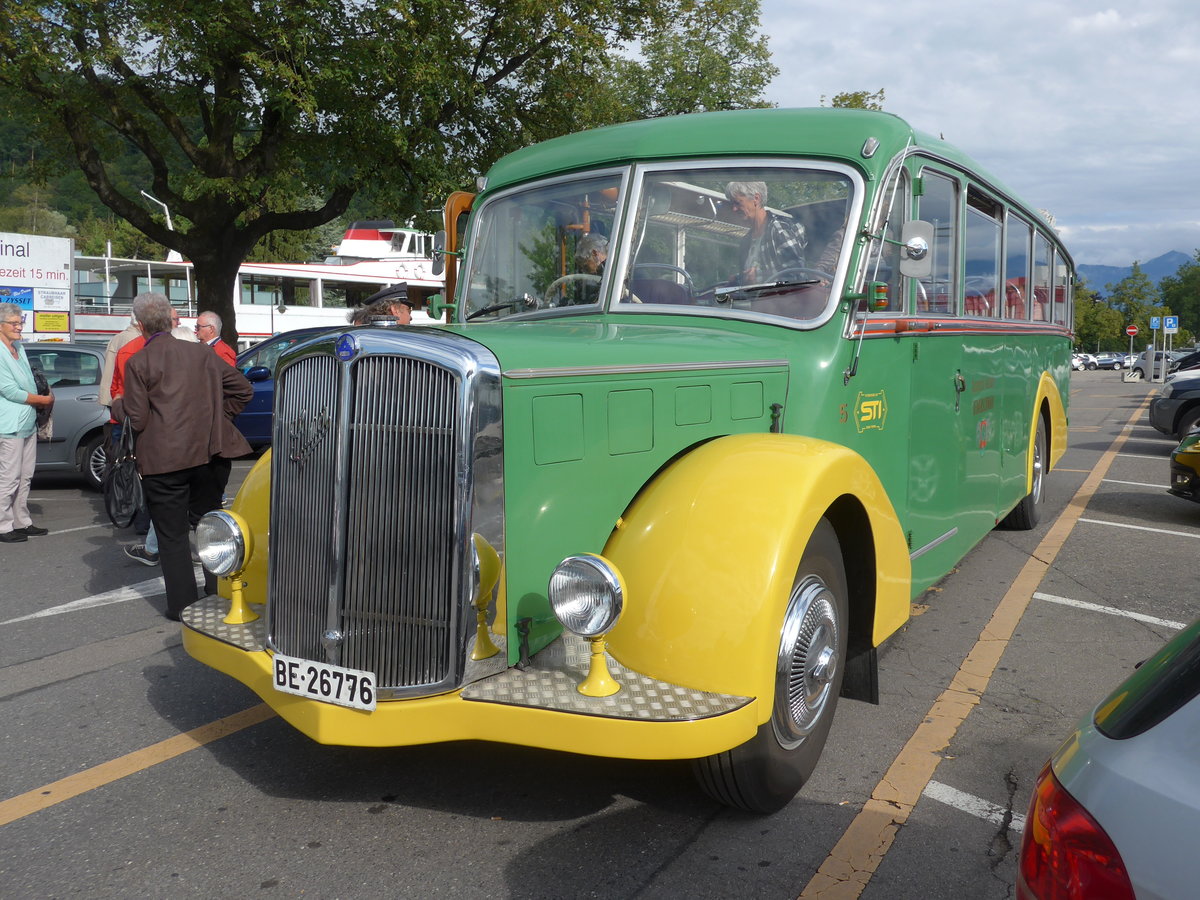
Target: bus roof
[[826, 133]]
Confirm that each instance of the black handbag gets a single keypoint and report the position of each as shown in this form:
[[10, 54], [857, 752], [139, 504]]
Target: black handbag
[[123, 497], [45, 425]]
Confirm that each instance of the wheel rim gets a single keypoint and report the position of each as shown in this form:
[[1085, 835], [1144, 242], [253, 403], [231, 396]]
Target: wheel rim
[[1039, 450], [808, 661], [96, 463]]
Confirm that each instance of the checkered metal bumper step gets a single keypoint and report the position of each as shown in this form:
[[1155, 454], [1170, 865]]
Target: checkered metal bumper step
[[550, 682]]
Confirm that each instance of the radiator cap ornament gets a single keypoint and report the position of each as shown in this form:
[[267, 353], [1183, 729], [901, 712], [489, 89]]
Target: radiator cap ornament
[[347, 347]]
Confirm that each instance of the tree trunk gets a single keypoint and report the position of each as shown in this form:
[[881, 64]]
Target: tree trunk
[[216, 281]]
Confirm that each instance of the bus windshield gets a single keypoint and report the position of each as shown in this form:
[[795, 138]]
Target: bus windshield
[[765, 239]]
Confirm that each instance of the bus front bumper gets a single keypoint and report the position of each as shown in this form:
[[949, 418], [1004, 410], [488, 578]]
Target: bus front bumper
[[535, 707]]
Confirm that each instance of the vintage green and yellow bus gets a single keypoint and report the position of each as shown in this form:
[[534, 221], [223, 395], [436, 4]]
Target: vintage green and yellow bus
[[715, 398]]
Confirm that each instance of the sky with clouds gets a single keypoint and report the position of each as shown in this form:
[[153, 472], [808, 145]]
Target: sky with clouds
[[1086, 109]]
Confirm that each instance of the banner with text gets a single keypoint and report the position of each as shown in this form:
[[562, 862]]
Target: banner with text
[[36, 274]]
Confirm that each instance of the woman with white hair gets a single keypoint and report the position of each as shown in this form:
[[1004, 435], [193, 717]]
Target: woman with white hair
[[19, 403]]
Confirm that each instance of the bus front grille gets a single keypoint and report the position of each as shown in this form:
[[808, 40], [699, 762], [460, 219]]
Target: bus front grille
[[364, 561]]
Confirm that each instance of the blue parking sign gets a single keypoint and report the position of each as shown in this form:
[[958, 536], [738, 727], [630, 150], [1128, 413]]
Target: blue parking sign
[[1154, 323]]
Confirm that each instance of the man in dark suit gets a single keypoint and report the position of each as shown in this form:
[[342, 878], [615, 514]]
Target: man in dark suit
[[180, 398]]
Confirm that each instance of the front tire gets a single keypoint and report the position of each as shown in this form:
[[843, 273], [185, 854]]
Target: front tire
[[764, 774]]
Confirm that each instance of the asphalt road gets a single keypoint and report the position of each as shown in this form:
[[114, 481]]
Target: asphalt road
[[117, 783]]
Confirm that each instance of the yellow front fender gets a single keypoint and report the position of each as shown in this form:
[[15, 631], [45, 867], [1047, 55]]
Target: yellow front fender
[[253, 503], [710, 548]]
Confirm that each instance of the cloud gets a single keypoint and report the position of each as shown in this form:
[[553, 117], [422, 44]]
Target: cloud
[[1088, 113]]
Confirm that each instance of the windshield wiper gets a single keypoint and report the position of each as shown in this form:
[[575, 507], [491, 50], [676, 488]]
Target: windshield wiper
[[524, 300], [723, 292]]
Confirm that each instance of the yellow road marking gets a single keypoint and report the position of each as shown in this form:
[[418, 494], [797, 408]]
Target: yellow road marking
[[115, 769], [853, 860]]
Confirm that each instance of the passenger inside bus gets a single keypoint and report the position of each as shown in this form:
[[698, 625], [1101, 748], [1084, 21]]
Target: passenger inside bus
[[774, 243]]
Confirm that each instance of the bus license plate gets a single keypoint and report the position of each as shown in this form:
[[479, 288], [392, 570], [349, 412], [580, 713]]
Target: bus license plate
[[320, 681]]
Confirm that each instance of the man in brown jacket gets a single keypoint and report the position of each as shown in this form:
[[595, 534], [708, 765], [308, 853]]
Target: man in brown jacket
[[180, 400]]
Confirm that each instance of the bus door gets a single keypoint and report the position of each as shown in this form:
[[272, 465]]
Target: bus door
[[986, 360], [938, 391]]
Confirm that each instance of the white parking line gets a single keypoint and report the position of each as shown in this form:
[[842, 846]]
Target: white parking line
[[1143, 456], [80, 528], [1110, 610], [975, 806], [1134, 483], [1186, 534], [143, 589]]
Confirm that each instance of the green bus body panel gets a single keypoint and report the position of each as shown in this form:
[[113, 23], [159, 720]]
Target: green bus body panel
[[583, 433]]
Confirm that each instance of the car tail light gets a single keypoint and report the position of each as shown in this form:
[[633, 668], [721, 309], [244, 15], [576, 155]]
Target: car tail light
[[1065, 854]]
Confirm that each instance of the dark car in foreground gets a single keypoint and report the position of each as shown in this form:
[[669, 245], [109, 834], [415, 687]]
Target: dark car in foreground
[[1116, 812], [1177, 411], [77, 442], [258, 365]]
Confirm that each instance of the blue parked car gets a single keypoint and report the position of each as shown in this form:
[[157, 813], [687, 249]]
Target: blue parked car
[[258, 365]]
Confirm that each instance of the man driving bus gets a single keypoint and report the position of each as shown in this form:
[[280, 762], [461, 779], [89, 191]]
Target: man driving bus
[[774, 243]]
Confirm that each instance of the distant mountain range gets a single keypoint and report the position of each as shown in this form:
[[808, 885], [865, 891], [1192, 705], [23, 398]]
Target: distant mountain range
[[1156, 270]]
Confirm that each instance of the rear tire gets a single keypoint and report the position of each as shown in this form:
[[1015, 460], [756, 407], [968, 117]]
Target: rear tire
[[764, 774], [1028, 512], [93, 461]]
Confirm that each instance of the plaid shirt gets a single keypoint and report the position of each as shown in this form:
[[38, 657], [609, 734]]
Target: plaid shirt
[[781, 246]]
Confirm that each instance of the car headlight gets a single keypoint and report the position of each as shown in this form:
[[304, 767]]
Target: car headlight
[[223, 542], [587, 594]]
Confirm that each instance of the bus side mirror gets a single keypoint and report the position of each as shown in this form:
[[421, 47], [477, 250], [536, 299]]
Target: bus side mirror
[[436, 306], [915, 240], [439, 249]]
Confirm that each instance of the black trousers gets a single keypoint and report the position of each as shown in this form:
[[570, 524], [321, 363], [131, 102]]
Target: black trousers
[[177, 500]]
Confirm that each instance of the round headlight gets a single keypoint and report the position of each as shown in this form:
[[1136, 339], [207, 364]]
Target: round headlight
[[586, 594], [223, 542]]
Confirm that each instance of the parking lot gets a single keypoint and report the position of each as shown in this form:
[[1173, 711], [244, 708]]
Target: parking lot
[[132, 770]]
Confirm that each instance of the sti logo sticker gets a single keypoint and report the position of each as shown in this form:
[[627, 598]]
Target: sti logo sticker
[[870, 411]]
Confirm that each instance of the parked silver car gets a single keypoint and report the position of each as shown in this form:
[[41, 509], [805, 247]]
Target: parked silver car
[[1116, 812], [77, 445]]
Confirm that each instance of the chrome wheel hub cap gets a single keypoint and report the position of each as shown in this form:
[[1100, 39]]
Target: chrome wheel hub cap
[[808, 661]]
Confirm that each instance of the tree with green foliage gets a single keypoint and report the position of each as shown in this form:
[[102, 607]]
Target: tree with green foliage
[[1137, 299], [711, 56], [242, 111], [857, 100], [1097, 325], [1181, 292]]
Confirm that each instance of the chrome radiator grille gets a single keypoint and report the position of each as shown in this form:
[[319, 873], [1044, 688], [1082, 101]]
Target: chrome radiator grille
[[370, 505]]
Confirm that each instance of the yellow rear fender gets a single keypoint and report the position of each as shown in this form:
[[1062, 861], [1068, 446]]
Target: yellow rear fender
[[1050, 400], [710, 548], [253, 503]]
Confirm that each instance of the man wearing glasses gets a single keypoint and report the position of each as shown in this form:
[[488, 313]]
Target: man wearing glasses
[[19, 403], [208, 330]]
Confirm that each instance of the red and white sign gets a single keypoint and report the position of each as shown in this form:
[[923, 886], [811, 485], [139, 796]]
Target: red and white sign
[[1131, 330]]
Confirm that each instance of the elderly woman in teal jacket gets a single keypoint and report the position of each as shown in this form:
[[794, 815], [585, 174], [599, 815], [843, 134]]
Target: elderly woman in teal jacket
[[19, 402]]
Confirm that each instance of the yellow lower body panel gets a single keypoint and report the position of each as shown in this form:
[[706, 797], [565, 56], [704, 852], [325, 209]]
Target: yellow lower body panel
[[623, 726]]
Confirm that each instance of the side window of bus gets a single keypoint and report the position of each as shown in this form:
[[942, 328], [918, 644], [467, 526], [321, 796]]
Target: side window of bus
[[1061, 291], [1017, 242], [1042, 260], [982, 233], [938, 204]]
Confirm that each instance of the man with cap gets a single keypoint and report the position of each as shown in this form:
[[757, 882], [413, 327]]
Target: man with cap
[[390, 303]]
